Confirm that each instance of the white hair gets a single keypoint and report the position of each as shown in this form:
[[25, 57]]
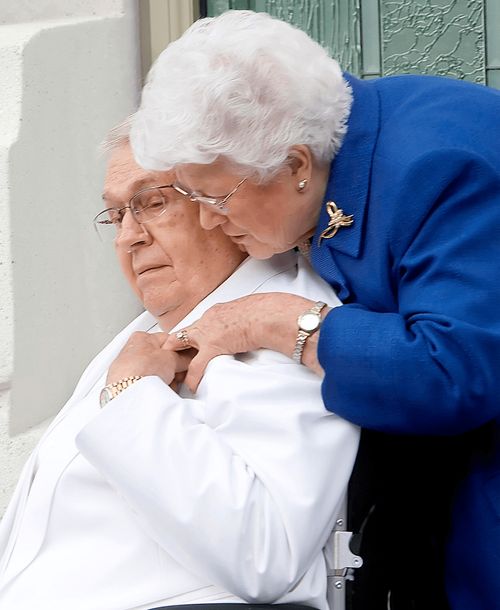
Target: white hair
[[243, 86], [117, 136]]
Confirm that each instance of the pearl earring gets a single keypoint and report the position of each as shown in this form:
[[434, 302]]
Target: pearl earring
[[302, 185]]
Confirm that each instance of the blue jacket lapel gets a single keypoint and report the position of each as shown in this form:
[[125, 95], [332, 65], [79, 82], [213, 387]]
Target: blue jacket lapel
[[348, 184]]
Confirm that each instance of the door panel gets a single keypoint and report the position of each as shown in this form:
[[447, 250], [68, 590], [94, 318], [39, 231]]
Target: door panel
[[458, 38]]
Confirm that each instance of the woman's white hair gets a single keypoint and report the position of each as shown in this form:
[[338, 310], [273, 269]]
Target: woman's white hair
[[245, 87]]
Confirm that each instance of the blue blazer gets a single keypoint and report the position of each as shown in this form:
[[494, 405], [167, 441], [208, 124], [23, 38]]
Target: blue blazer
[[416, 348]]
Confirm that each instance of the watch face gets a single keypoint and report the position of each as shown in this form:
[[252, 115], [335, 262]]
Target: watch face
[[105, 397], [309, 321]]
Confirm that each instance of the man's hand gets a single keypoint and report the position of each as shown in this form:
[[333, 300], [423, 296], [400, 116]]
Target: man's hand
[[143, 355]]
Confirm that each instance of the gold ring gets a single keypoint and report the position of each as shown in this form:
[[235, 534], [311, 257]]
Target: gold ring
[[183, 337]]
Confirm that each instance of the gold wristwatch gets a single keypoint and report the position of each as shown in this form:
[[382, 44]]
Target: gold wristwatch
[[308, 322], [112, 390]]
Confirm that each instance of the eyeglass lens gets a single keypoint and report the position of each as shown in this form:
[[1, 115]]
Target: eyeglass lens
[[145, 206]]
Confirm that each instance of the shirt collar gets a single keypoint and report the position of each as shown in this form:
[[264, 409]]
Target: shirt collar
[[246, 279]]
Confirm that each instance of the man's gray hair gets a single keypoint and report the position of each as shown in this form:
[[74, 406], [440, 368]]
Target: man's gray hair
[[117, 136], [243, 86]]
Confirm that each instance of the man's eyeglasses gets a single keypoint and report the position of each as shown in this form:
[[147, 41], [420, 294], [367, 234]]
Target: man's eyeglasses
[[146, 205], [215, 202]]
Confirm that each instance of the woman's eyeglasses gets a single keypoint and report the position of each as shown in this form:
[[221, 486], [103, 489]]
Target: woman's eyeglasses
[[215, 202]]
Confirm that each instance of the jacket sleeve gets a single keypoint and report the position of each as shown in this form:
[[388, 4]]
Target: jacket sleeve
[[241, 486], [433, 366]]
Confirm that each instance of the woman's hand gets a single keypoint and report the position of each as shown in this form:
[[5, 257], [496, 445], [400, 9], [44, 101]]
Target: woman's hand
[[144, 354], [267, 320]]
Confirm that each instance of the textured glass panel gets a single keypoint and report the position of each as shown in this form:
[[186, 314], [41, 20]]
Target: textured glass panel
[[370, 39], [494, 78], [493, 42], [216, 7], [335, 24], [434, 37]]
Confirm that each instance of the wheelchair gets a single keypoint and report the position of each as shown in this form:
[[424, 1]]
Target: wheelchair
[[340, 561], [393, 526]]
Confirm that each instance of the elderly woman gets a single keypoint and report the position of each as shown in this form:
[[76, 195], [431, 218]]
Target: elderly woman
[[158, 498], [392, 188]]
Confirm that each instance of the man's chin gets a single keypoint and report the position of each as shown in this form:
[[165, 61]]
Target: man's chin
[[156, 307]]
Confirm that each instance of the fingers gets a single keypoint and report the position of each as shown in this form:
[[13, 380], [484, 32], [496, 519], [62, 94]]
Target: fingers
[[177, 381], [181, 340], [183, 359], [140, 338], [196, 369]]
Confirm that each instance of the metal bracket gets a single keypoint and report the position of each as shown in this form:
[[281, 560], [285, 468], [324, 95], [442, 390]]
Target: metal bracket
[[343, 557], [341, 569], [340, 560]]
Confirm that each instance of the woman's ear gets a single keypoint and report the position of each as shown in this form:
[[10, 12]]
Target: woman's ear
[[300, 161]]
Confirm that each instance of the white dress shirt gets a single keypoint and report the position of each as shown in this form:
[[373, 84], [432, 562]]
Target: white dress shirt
[[160, 498]]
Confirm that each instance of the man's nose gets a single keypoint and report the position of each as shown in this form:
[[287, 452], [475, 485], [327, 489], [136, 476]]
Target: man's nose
[[131, 233], [209, 219]]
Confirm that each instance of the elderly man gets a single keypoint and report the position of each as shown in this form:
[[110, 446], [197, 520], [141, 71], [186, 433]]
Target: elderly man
[[139, 496]]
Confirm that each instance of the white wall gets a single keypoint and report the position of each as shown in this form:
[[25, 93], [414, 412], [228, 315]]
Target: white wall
[[69, 70]]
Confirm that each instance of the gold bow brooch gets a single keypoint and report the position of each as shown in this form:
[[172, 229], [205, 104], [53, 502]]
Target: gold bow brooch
[[337, 219]]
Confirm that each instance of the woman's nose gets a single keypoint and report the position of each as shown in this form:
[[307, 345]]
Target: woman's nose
[[131, 233], [209, 219]]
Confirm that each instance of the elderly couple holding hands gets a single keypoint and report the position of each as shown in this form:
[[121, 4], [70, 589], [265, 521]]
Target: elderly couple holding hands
[[196, 462]]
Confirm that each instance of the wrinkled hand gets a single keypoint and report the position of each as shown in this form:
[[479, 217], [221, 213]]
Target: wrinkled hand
[[266, 320], [144, 354]]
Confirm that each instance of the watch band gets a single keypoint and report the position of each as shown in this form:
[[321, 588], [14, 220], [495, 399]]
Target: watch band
[[304, 334], [300, 343], [112, 390]]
